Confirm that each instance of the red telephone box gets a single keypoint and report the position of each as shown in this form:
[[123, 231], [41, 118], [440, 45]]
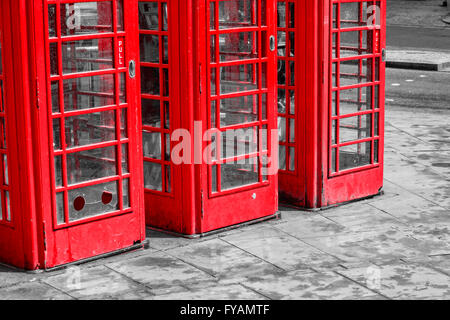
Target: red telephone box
[[330, 100], [70, 122], [208, 68]]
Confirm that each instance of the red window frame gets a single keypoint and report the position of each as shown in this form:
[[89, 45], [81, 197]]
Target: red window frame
[[373, 57], [118, 107], [164, 34], [214, 64]]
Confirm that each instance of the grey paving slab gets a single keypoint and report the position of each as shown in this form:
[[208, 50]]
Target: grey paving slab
[[97, 283], [217, 292], [10, 276], [403, 281], [32, 291], [281, 249], [306, 226], [309, 285], [362, 217], [374, 246], [163, 241], [223, 260], [160, 270]]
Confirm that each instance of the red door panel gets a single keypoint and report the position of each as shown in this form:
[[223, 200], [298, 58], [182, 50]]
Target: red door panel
[[356, 101], [12, 242], [95, 154], [240, 107]]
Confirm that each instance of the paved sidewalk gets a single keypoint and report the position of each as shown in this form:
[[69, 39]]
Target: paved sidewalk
[[396, 246]]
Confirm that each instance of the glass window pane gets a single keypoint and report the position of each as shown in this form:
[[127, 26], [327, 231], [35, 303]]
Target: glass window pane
[[354, 72], [355, 128], [86, 18], [152, 144], [87, 55], [150, 81], [236, 14], [90, 128], [152, 176], [151, 113], [238, 78], [239, 174], [238, 110], [89, 92], [93, 201], [238, 46], [355, 155], [149, 46], [239, 142], [355, 100], [126, 193], [91, 165], [148, 15]]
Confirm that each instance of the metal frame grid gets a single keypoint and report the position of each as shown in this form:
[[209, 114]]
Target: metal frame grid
[[365, 57]]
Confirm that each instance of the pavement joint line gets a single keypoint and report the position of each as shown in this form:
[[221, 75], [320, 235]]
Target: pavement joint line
[[255, 291], [42, 281], [428, 265], [259, 258], [193, 265], [338, 260], [384, 211], [388, 123], [416, 194], [363, 285], [141, 284], [418, 161]]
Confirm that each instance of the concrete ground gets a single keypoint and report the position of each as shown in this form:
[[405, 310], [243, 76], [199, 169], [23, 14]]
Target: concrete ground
[[395, 246]]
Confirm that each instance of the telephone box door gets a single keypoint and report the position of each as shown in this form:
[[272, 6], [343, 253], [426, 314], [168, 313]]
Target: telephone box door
[[240, 106], [93, 119], [356, 101]]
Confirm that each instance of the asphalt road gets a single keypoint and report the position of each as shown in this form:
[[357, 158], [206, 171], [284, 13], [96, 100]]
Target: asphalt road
[[417, 89], [435, 39]]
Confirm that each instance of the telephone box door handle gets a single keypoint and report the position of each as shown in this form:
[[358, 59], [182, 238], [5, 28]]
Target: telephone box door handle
[[272, 43], [132, 69]]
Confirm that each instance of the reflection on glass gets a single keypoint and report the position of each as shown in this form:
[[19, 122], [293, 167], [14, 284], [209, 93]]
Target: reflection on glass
[[151, 113], [91, 165], [355, 155], [238, 78], [86, 18], [93, 201], [90, 128], [152, 144], [149, 46], [236, 14], [87, 55], [89, 92], [152, 176], [148, 15], [355, 128], [150, 81], [238, 46], [239, 174], [238, 110]]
